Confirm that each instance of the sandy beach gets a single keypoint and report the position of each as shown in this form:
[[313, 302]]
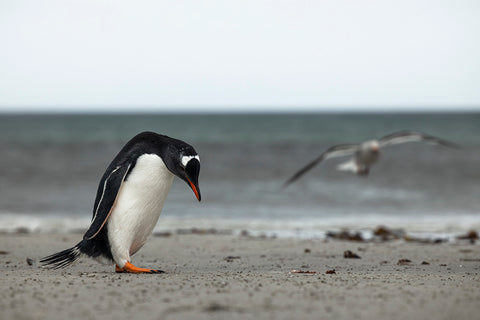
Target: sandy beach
[[216, 276]]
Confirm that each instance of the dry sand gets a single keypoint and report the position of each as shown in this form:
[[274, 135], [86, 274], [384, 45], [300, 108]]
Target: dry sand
[[240, 277]]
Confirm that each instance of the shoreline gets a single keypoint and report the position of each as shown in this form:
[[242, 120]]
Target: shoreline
[[224, 275], [302, 228], [380, 233]]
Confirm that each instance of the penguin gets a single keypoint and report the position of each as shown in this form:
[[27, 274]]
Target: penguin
[[130, 198]]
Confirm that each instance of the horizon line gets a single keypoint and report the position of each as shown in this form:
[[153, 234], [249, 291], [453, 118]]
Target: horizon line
[[232, 109]]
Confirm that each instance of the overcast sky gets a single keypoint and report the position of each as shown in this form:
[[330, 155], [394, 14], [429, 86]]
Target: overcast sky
[[214, 54]]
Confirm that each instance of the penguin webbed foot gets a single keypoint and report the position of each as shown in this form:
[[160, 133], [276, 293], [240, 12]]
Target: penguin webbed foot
[[130, 268]]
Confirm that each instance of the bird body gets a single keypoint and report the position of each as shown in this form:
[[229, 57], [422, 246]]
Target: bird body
[[130, 198], [365, 155]]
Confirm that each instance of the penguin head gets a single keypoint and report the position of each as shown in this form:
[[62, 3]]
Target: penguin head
[[184, 162]]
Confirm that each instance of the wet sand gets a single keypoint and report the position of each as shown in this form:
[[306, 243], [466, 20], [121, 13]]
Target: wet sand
[[240, 277]]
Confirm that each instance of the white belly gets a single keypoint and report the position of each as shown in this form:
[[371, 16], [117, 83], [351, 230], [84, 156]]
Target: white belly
[[138, 207]]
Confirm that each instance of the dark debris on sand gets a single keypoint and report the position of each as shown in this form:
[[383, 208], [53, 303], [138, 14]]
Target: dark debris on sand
[[350, 255], [345, 235], [403, 262], [200, 231], [384, 234], [164, 234], [471, 236], [231, 258]]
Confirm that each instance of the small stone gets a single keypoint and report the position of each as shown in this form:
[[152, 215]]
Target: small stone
[[350, 255], [403, 262]]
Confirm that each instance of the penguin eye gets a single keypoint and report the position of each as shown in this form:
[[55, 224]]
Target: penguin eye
[[185, 159]]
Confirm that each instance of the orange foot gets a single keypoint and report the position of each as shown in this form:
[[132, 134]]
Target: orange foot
[[130, 268]]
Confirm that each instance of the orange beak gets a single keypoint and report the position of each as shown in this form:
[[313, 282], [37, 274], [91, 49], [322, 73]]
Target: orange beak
[[194, 189]]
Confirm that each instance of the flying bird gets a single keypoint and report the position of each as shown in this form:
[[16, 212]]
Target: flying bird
[[129, 200], [365, 154]]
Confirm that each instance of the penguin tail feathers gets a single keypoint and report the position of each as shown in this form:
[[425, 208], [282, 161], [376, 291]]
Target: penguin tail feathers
[[62, 259]]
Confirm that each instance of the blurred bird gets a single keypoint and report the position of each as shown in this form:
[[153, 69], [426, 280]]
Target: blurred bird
[[367, 153]]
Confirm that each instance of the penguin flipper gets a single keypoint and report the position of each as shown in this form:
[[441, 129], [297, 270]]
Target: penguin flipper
[[107, 194]]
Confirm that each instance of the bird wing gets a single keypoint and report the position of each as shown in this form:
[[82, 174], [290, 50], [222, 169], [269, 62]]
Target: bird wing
[[107, 194], [413, 136], [332, 152]]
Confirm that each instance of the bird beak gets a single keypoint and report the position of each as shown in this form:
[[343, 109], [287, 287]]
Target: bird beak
[[195, 189], [192, 171]]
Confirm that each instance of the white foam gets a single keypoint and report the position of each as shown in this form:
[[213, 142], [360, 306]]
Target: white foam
[[42, 223], [297, 228]]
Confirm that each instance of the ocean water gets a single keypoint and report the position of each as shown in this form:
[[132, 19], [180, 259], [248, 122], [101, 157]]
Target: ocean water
[[51, 165]]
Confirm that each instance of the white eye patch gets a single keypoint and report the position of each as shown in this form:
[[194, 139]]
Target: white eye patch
[[186, 159]]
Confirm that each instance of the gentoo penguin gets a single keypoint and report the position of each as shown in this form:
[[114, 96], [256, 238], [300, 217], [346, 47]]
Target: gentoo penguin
[[130, 198], [367, 153]]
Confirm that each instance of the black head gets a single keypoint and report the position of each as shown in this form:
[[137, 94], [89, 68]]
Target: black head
[[183, 161]]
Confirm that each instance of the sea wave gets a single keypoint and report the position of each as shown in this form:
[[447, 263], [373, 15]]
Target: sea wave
[[297, 228]]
